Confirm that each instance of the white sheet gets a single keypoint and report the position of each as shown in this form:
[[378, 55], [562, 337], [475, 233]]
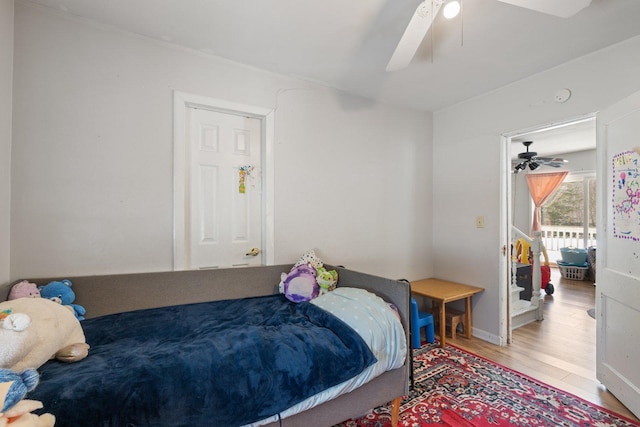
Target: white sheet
[[380, 327]]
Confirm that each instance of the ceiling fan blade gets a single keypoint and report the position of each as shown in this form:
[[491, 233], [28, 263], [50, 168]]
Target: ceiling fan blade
[[551, 161], [559, 8], [413, 35]]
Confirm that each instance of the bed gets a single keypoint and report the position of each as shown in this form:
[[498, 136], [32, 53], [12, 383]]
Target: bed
[[140, 374]]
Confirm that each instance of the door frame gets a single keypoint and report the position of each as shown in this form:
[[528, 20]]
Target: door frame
[[504, 266], [506, 213], [181, 102]]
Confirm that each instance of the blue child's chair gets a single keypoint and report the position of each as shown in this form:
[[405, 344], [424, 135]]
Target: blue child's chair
[[420, 319]]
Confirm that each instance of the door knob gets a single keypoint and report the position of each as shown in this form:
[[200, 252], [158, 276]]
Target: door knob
[[253, 252]]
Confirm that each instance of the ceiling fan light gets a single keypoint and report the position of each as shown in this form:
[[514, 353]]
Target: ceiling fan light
[[451, 9], [519, 167], [533, 165]]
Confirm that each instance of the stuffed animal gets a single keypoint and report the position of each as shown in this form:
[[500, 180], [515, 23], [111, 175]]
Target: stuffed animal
[[326, 280], [14, 411], [61, 292], [297, 285], [309, 258], [300, 284], [24, 289], [35, 330]]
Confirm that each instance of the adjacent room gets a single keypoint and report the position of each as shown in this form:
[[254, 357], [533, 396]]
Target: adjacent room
[[377, 140]]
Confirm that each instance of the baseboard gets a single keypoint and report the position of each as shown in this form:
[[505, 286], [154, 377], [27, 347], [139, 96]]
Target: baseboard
[[486, 336]]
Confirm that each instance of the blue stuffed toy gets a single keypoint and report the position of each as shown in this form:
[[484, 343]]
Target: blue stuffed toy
[[21, 383], [14, 386], [62, 293]]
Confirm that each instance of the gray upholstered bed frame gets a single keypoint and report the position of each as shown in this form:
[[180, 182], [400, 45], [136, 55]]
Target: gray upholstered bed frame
[[101, 295]]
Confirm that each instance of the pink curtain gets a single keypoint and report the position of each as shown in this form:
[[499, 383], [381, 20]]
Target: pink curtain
[[541, 187]]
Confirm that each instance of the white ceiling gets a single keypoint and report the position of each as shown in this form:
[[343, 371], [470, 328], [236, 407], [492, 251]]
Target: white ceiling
[[557, 140], [347, 44]]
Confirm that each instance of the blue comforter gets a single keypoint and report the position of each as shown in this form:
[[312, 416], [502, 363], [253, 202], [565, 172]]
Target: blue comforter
[[221, 363]]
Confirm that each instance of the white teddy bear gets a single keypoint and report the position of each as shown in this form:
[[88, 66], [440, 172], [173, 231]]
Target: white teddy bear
[[34, 330]]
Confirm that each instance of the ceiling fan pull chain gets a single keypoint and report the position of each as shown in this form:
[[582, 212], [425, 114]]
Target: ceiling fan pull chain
[[431, 35], [461, 23]]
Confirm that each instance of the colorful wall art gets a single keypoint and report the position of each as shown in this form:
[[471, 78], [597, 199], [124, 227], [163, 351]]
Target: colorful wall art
[[626, 195]]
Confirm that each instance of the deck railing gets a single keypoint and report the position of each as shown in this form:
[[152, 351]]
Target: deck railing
[[556, 237]]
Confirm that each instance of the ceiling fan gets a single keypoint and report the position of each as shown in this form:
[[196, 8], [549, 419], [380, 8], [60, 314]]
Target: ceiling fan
[[427, 11], [529, 158]]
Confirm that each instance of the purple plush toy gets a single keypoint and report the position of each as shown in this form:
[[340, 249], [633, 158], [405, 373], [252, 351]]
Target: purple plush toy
[[300, 284]]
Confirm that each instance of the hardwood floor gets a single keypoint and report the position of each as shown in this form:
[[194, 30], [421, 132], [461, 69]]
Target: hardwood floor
[[560, 350]]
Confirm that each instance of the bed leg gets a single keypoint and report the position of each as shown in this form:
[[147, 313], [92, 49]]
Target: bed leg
[[395, 411]]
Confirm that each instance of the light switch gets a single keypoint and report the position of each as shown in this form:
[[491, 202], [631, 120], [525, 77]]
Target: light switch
[[479, 222]]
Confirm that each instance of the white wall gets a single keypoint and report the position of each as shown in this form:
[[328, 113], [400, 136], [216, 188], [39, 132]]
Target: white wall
[[521, 203], [581, 161], [467, 161], [6, 80], [92, 166]]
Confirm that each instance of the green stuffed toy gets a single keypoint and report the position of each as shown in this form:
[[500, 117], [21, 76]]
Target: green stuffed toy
[[326, 279]]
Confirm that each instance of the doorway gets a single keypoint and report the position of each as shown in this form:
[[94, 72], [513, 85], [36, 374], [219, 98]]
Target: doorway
[[223, 180], [573, 140]]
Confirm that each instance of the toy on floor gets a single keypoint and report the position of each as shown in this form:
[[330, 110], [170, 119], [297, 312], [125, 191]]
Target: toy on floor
[[522, 248], [61, 292], [34, 330], [14, 411]]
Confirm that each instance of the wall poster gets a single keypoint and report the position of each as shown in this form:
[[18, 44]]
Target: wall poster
[[626, 195]]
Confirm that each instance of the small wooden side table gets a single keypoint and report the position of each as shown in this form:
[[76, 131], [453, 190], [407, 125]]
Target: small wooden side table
[[443, 291]]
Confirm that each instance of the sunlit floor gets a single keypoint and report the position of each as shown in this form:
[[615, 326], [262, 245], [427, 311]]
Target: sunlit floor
[[560, 350]]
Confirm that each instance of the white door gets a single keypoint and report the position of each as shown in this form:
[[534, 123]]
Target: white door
[[223, 190], [618, 252]]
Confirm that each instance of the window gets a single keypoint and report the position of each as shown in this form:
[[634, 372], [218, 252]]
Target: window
[[569, 217]]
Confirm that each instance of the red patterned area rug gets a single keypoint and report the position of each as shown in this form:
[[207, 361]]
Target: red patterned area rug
[[457, 388]]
